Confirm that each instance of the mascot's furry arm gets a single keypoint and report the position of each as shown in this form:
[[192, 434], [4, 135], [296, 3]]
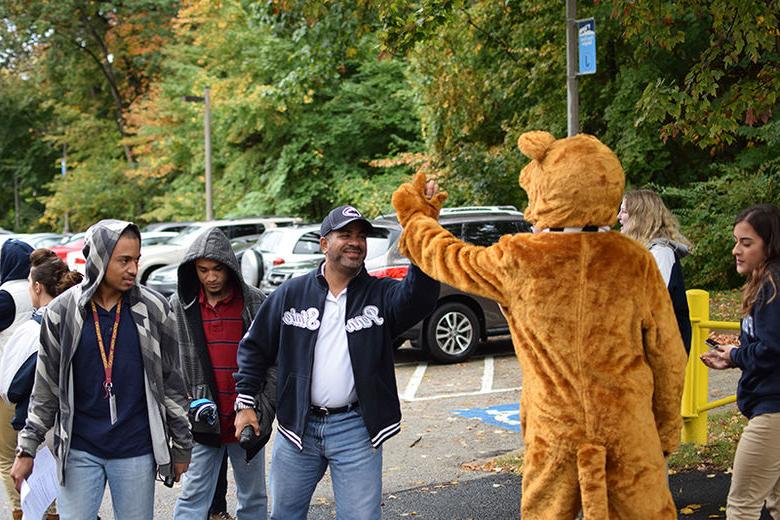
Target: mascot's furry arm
[[666, 356], [436, 251]]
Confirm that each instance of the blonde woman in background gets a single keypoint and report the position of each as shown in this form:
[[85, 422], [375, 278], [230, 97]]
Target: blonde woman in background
[[644, 217]]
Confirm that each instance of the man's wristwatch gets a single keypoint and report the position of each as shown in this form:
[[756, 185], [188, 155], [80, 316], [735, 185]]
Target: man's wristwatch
[[243, 402], [21, 452]]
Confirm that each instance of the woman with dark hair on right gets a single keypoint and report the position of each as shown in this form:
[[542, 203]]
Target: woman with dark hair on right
[[756, 474]]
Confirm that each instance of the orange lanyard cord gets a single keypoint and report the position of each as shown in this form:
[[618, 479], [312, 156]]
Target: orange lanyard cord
[[107, 363]]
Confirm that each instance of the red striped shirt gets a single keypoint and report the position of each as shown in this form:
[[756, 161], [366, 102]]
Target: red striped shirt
[[223, 328]]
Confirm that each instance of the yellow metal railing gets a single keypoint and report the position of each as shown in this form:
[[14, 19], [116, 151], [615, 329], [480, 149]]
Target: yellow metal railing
[[696, 391]]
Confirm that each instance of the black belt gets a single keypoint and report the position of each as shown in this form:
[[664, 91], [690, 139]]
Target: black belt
[[323, 411]]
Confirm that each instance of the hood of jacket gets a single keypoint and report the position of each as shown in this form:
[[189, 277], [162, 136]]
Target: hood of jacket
[[14, 260], [99, 242], [212, 245], [680, 249]]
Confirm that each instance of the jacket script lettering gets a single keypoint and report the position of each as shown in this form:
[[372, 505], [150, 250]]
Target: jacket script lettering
[[369, 317], [305, 319]]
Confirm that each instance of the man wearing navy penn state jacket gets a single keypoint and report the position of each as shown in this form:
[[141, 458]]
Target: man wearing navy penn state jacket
[[330, 333]]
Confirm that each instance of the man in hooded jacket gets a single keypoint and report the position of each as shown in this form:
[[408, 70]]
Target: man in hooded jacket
[[15, 309], [214, 308], [108, 381]]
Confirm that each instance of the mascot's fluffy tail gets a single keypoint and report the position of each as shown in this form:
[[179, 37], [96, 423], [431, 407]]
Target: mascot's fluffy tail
[[592, 474]]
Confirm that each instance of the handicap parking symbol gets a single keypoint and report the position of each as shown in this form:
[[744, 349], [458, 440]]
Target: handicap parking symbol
[[506, 416]]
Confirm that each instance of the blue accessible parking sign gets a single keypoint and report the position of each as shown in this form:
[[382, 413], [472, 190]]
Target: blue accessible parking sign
[[506, 416], [586, 45]]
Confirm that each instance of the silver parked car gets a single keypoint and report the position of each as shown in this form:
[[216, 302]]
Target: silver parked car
[[157, 256]]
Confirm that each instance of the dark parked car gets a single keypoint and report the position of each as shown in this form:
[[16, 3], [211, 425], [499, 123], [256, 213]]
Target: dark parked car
[[461, 320]]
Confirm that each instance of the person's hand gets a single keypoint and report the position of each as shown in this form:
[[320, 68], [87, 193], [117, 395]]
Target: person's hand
[[21, 470], [421, 196], [179, 469], [431, 189], [718, 358], [244, 418]]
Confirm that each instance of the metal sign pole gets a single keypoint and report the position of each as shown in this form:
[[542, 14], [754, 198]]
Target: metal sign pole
[[207, 135], [572, 94]]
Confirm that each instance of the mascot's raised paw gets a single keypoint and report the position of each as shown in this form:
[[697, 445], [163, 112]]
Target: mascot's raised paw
[[410, 199]]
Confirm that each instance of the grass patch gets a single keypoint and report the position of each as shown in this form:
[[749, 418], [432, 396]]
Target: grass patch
[[715, 456], [724, 429], [511, 462], [724, 305]]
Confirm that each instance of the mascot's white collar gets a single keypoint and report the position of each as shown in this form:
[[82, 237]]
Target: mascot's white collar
[[591, 229]]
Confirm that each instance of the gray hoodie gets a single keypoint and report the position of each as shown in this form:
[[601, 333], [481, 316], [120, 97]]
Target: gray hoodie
[[195, 361], [51, 403]]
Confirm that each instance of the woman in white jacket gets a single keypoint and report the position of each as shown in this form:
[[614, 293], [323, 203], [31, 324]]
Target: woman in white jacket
[[644, 217], [49, 276]]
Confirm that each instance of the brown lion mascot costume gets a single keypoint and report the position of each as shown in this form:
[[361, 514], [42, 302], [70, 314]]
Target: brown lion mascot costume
[[592, 326]]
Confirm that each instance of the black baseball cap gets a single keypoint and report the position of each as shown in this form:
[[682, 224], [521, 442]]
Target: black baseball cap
[[340, 217]]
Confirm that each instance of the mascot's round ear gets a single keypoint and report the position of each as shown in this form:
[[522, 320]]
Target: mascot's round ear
[[535, 144]]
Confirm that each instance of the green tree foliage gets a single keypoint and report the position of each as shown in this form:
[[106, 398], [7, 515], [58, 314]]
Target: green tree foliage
[[322, 102], [300, 109], [686, 94], [92, 60], [27, 161]]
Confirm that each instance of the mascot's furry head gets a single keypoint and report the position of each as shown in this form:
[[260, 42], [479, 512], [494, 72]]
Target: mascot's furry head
[[571, 182]]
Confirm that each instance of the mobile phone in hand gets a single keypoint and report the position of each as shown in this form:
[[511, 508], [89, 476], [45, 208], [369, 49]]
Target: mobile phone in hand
[[712, 343]]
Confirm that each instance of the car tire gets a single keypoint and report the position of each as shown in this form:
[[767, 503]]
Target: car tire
[[452, 333], [148, 273], [252, 267]]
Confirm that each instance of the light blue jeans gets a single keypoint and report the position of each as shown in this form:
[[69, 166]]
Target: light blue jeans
[[201, 480], [131, 482], [340, 441]]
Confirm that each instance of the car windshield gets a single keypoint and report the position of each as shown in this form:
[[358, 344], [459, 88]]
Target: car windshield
[[269, 241], [377, 243], [187, 236], [73, 239], [307, 242]]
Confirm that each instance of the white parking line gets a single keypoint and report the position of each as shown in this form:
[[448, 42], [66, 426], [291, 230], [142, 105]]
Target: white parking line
[[487, 374], [460, 394], [414, 382]]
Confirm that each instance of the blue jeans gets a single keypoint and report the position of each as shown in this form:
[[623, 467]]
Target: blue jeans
[[131, 482], [340, 441], [200, 481]]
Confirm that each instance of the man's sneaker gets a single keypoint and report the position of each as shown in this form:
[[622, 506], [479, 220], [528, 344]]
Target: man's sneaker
[[222, 515]]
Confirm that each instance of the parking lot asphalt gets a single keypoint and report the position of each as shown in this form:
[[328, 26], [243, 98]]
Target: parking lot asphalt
[[497, 497], [453, 415]]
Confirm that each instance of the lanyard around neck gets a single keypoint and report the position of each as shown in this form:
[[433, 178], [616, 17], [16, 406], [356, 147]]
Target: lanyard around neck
[[108, 361]]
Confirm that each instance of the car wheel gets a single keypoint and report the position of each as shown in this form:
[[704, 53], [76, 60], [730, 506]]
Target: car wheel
[[148, 273], [452, 333], [252, 268]]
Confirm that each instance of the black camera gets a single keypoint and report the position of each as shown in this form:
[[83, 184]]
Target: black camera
[[247, 437]]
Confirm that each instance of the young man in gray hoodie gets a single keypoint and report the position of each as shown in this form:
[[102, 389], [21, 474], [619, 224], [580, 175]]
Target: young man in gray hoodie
[[214, 308], [108, 381]]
